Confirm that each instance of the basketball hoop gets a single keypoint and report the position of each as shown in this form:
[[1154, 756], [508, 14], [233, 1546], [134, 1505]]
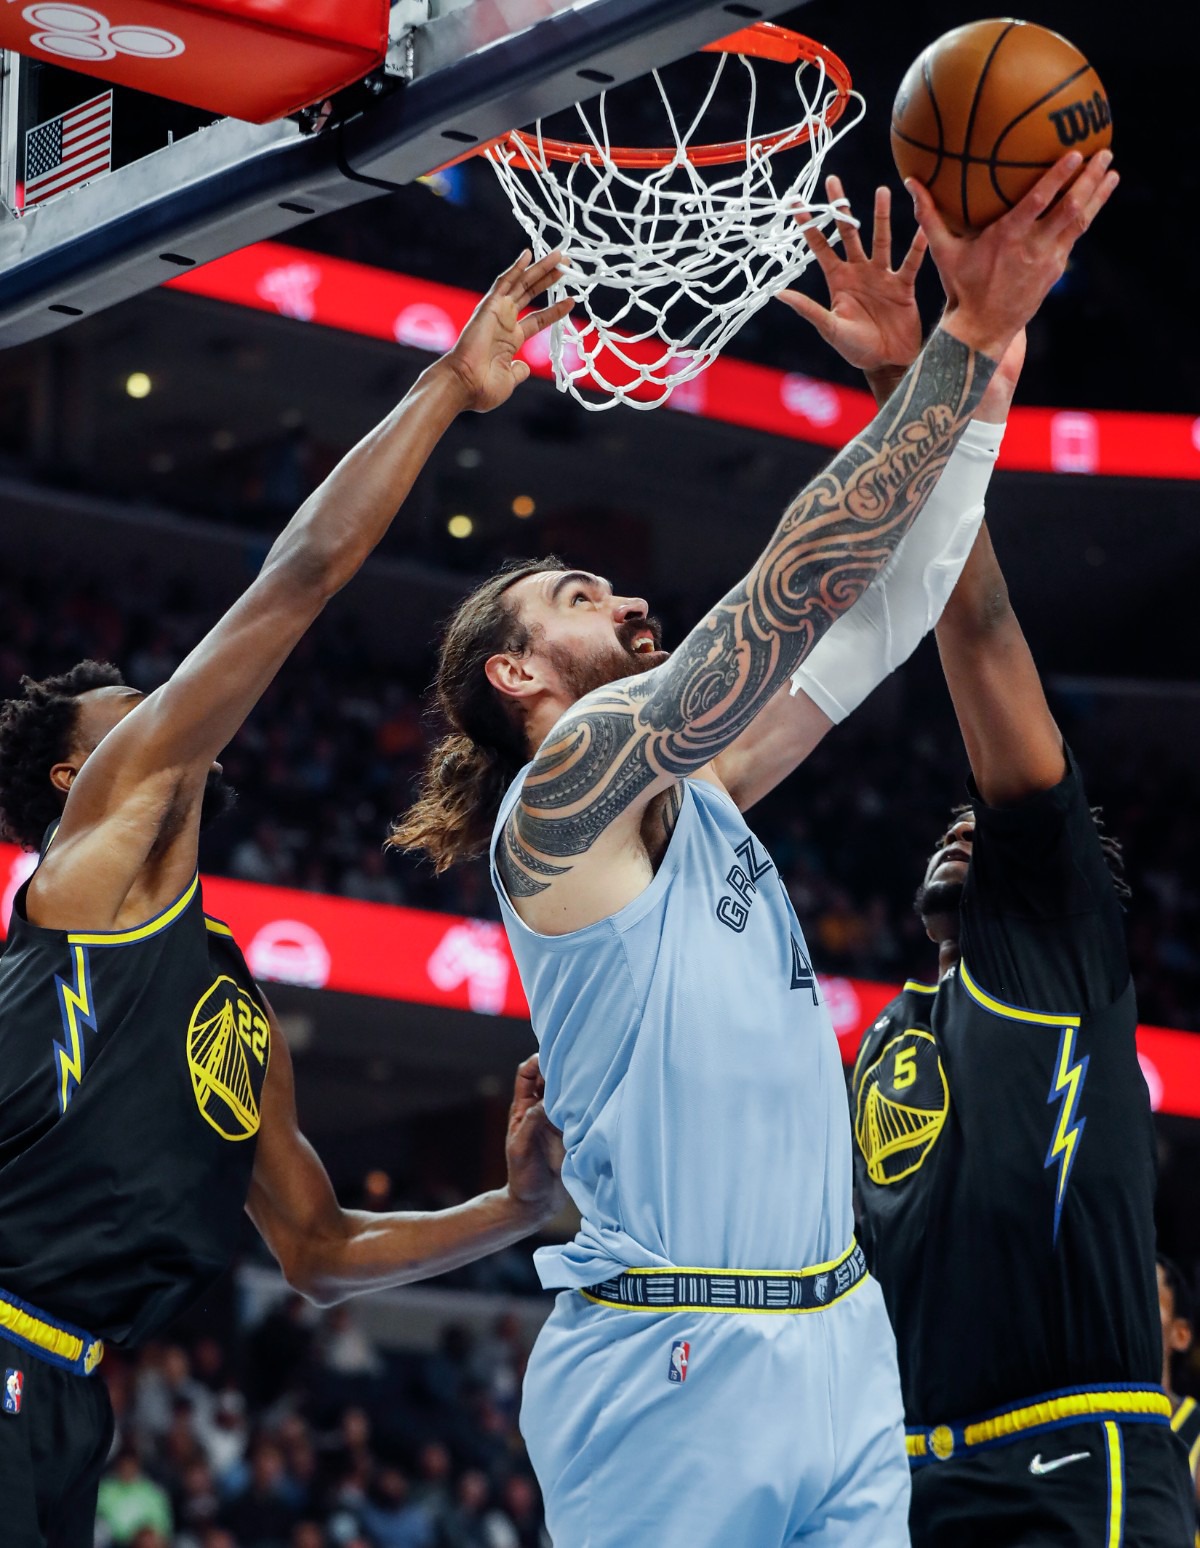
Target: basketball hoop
[[666, 262]]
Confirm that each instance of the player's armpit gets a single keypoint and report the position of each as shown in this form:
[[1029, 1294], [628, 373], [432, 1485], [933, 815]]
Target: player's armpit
[[775, 743]]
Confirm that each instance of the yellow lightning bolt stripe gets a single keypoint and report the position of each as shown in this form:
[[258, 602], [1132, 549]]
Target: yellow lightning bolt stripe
[[1068, 1081], [75, 1001]]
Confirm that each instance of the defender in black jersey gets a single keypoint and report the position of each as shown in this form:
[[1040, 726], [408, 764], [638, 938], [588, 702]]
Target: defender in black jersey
[[1004, 1150], [146, 1095], [1004, 1154], [1176, 1310]]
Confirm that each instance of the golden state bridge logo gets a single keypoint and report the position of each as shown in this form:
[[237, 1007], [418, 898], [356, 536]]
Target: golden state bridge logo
[[901, 1105], [229, 1041]]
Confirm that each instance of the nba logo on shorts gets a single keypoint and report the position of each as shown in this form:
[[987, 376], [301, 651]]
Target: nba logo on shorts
[[677, 1371], [14, 1382]]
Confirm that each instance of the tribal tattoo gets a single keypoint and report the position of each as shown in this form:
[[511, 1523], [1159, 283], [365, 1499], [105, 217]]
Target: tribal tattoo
[[832, 541]]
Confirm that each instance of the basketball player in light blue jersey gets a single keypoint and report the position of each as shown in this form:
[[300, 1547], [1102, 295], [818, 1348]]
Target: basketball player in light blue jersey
[[719, 1371]]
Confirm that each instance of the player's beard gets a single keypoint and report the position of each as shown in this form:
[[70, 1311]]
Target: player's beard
[[939, 899], [604, 664]]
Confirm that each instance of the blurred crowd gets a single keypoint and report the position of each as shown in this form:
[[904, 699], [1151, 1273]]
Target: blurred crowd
[[304, 1433], [330, 755]]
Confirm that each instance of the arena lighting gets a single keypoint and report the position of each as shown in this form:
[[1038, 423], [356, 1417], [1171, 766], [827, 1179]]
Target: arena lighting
[[426, 958], [377, 303], [523, 506], [460, 526], [138, 384]]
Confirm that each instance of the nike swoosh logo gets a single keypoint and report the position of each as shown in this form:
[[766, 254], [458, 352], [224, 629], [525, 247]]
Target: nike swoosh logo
[[1037, 1467]]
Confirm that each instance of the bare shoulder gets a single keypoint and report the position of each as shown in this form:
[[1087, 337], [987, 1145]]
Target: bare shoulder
[[572, 850]]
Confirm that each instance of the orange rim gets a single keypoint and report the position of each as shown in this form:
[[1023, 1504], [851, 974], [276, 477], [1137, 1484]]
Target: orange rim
[[762, 40]]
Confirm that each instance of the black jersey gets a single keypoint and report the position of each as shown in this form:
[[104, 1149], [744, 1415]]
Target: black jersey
[[131, 1070], [1004, 1147]]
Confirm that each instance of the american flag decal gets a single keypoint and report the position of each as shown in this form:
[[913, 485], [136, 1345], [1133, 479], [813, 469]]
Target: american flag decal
[[68, 150]]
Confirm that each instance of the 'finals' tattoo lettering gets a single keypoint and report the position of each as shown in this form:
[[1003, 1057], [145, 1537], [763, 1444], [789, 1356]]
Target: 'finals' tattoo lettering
[[831, 543]]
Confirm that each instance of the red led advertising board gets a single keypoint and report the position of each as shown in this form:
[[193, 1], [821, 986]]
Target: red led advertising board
[[426, 958], [422, 314]]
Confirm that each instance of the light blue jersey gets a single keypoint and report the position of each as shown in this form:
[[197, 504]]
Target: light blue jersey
[[691, 1066]]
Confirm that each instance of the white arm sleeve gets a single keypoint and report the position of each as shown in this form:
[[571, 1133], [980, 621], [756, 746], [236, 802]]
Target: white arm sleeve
[[905, 600]]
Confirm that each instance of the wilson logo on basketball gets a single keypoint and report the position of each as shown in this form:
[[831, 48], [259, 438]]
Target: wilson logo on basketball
[[1082, 119], [229, 1042]]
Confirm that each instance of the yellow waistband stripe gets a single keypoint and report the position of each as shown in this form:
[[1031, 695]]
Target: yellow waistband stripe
[[61, 1346], [1109, 1405]]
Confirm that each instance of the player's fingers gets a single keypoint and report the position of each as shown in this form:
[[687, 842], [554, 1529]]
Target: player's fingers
[[532, 1119], [881, 237], [1042, 195], [937, 233], [817, 242], [1086, 197], [527, 1083], [812, 311], [504, 283], [538, 275], [914, 258], [846, 224], [534, 322], [520, 372]]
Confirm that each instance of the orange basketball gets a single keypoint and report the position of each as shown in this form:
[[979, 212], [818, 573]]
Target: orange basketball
[[987, 108]]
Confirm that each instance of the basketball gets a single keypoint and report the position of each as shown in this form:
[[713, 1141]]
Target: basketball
[[987, 108]]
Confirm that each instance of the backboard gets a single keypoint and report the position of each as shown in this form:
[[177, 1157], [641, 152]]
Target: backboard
[[169, 187]]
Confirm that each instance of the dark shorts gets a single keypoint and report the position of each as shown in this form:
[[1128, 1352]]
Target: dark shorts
[[52, 1453], [1088, 1485]]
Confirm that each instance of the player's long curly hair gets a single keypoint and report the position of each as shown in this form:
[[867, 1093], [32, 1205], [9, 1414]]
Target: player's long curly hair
[[36, 732], [468, 770]]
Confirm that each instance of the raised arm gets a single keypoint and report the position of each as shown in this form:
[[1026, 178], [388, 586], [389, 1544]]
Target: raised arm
[[328, 1253], [1014, 746], [610, 754], [129, 814], [873, 322]]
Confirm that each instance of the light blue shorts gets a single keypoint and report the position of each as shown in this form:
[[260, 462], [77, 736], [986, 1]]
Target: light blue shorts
[[783, 1429]]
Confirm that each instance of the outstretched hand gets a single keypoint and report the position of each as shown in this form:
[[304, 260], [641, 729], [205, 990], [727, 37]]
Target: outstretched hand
[[872, 318], [484, 359], [534, 1147], [995, 281]]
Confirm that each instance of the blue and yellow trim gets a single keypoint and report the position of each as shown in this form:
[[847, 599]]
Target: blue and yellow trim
[[912, 986], [1179, 1418], [1011, 1012], [217, 926], [1068, 1083], [1117, 1405], [1069, 1076], [141, 932], [76, 1007], [57, 1343], [1115, 1452]]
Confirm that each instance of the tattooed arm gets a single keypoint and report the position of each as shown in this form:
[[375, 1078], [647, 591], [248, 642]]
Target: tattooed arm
[[575, 849]]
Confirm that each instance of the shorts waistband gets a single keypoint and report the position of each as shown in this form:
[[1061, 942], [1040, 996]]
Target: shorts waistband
[[46, 1338], [767, 1291], [1121, 1404]]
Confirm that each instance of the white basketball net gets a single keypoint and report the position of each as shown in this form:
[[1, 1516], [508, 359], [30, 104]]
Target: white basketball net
[[678, 247]]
